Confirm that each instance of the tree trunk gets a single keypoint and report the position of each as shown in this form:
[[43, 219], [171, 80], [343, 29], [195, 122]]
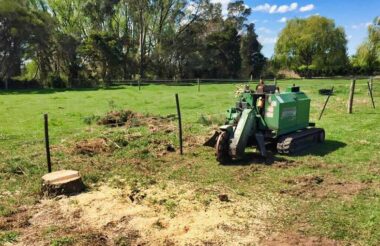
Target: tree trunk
[[141, 70], [64, 182]]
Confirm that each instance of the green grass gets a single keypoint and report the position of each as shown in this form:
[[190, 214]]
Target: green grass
[[8, 237], [351, 152], [62, 241]]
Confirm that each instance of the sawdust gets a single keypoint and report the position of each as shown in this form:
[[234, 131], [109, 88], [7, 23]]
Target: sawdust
[[158, 215]]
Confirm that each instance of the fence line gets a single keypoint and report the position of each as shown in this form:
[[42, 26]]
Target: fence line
[[195, 81], [37, 136], [192, 81]]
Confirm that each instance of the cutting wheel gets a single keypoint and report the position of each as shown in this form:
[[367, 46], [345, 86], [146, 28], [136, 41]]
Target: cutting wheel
[[221, 148]]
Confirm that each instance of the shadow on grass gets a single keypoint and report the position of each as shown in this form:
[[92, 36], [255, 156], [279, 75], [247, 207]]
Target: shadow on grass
[[52, 91], [322, 149], [254, 158], [272, 157]]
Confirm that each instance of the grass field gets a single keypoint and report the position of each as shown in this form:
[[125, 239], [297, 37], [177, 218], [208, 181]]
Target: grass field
[[330, 192]]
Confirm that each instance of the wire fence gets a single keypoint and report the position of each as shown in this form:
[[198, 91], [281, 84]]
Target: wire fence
[[229, 81], [36, 136], [187, 81], [57, 135]]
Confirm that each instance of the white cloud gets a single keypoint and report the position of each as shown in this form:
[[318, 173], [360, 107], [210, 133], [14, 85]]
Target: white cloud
[[262, 8], [361, 25], [307, 7], [272, 9], [283, 20], [286, 8], [267, 40]]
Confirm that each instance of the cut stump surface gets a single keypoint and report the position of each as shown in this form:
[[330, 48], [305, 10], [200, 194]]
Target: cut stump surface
[[63, 182]]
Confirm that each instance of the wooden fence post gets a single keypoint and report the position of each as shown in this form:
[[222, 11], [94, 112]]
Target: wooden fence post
[[351, 98], [47, 145], [370, 84], [370, 93], [139, 82], [179, 124], [327, 100], [199, 85]]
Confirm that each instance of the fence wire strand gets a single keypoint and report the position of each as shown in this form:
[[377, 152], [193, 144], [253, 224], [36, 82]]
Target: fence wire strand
[[37, 136]]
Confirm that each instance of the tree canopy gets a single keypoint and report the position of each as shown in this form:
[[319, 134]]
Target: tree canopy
[[66, 42], [367, 58], [59, 43], [312, 46]]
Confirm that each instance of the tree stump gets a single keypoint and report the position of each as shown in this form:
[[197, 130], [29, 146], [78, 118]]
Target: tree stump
[[64, 182]]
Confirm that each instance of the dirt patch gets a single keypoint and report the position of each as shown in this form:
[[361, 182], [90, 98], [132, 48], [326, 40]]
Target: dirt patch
[[194, 140], [282, 163], [94, 146], [133, 119], [116, 118], [159, 123], [158, 128], [160, 147], [169, 214], [18, 219], [322, 187], [291, 239]]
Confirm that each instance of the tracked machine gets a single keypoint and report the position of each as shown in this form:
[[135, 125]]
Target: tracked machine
[[266, 117]]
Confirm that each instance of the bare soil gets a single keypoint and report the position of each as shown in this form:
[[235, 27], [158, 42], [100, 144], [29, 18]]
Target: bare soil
[[94, 146], [322, 187]]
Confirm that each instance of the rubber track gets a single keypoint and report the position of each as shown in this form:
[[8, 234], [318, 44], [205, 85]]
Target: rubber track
[[297, 141]]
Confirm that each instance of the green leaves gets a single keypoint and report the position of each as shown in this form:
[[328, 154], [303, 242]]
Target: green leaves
[[367, 58], [312, 46]]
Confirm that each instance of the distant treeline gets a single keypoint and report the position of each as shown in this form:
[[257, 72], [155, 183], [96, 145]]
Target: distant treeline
[[83, 43]]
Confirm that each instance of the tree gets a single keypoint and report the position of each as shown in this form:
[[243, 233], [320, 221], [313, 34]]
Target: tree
[[96, 41], [103, 56], [25, 34], [253, 60], [224, 47], [312, 46], [367, 58]]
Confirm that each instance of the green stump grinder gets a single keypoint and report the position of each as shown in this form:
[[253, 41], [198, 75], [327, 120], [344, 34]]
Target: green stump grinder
[[263, 117]]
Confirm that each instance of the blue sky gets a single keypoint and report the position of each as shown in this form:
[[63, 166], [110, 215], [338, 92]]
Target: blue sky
[[270, 16]]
